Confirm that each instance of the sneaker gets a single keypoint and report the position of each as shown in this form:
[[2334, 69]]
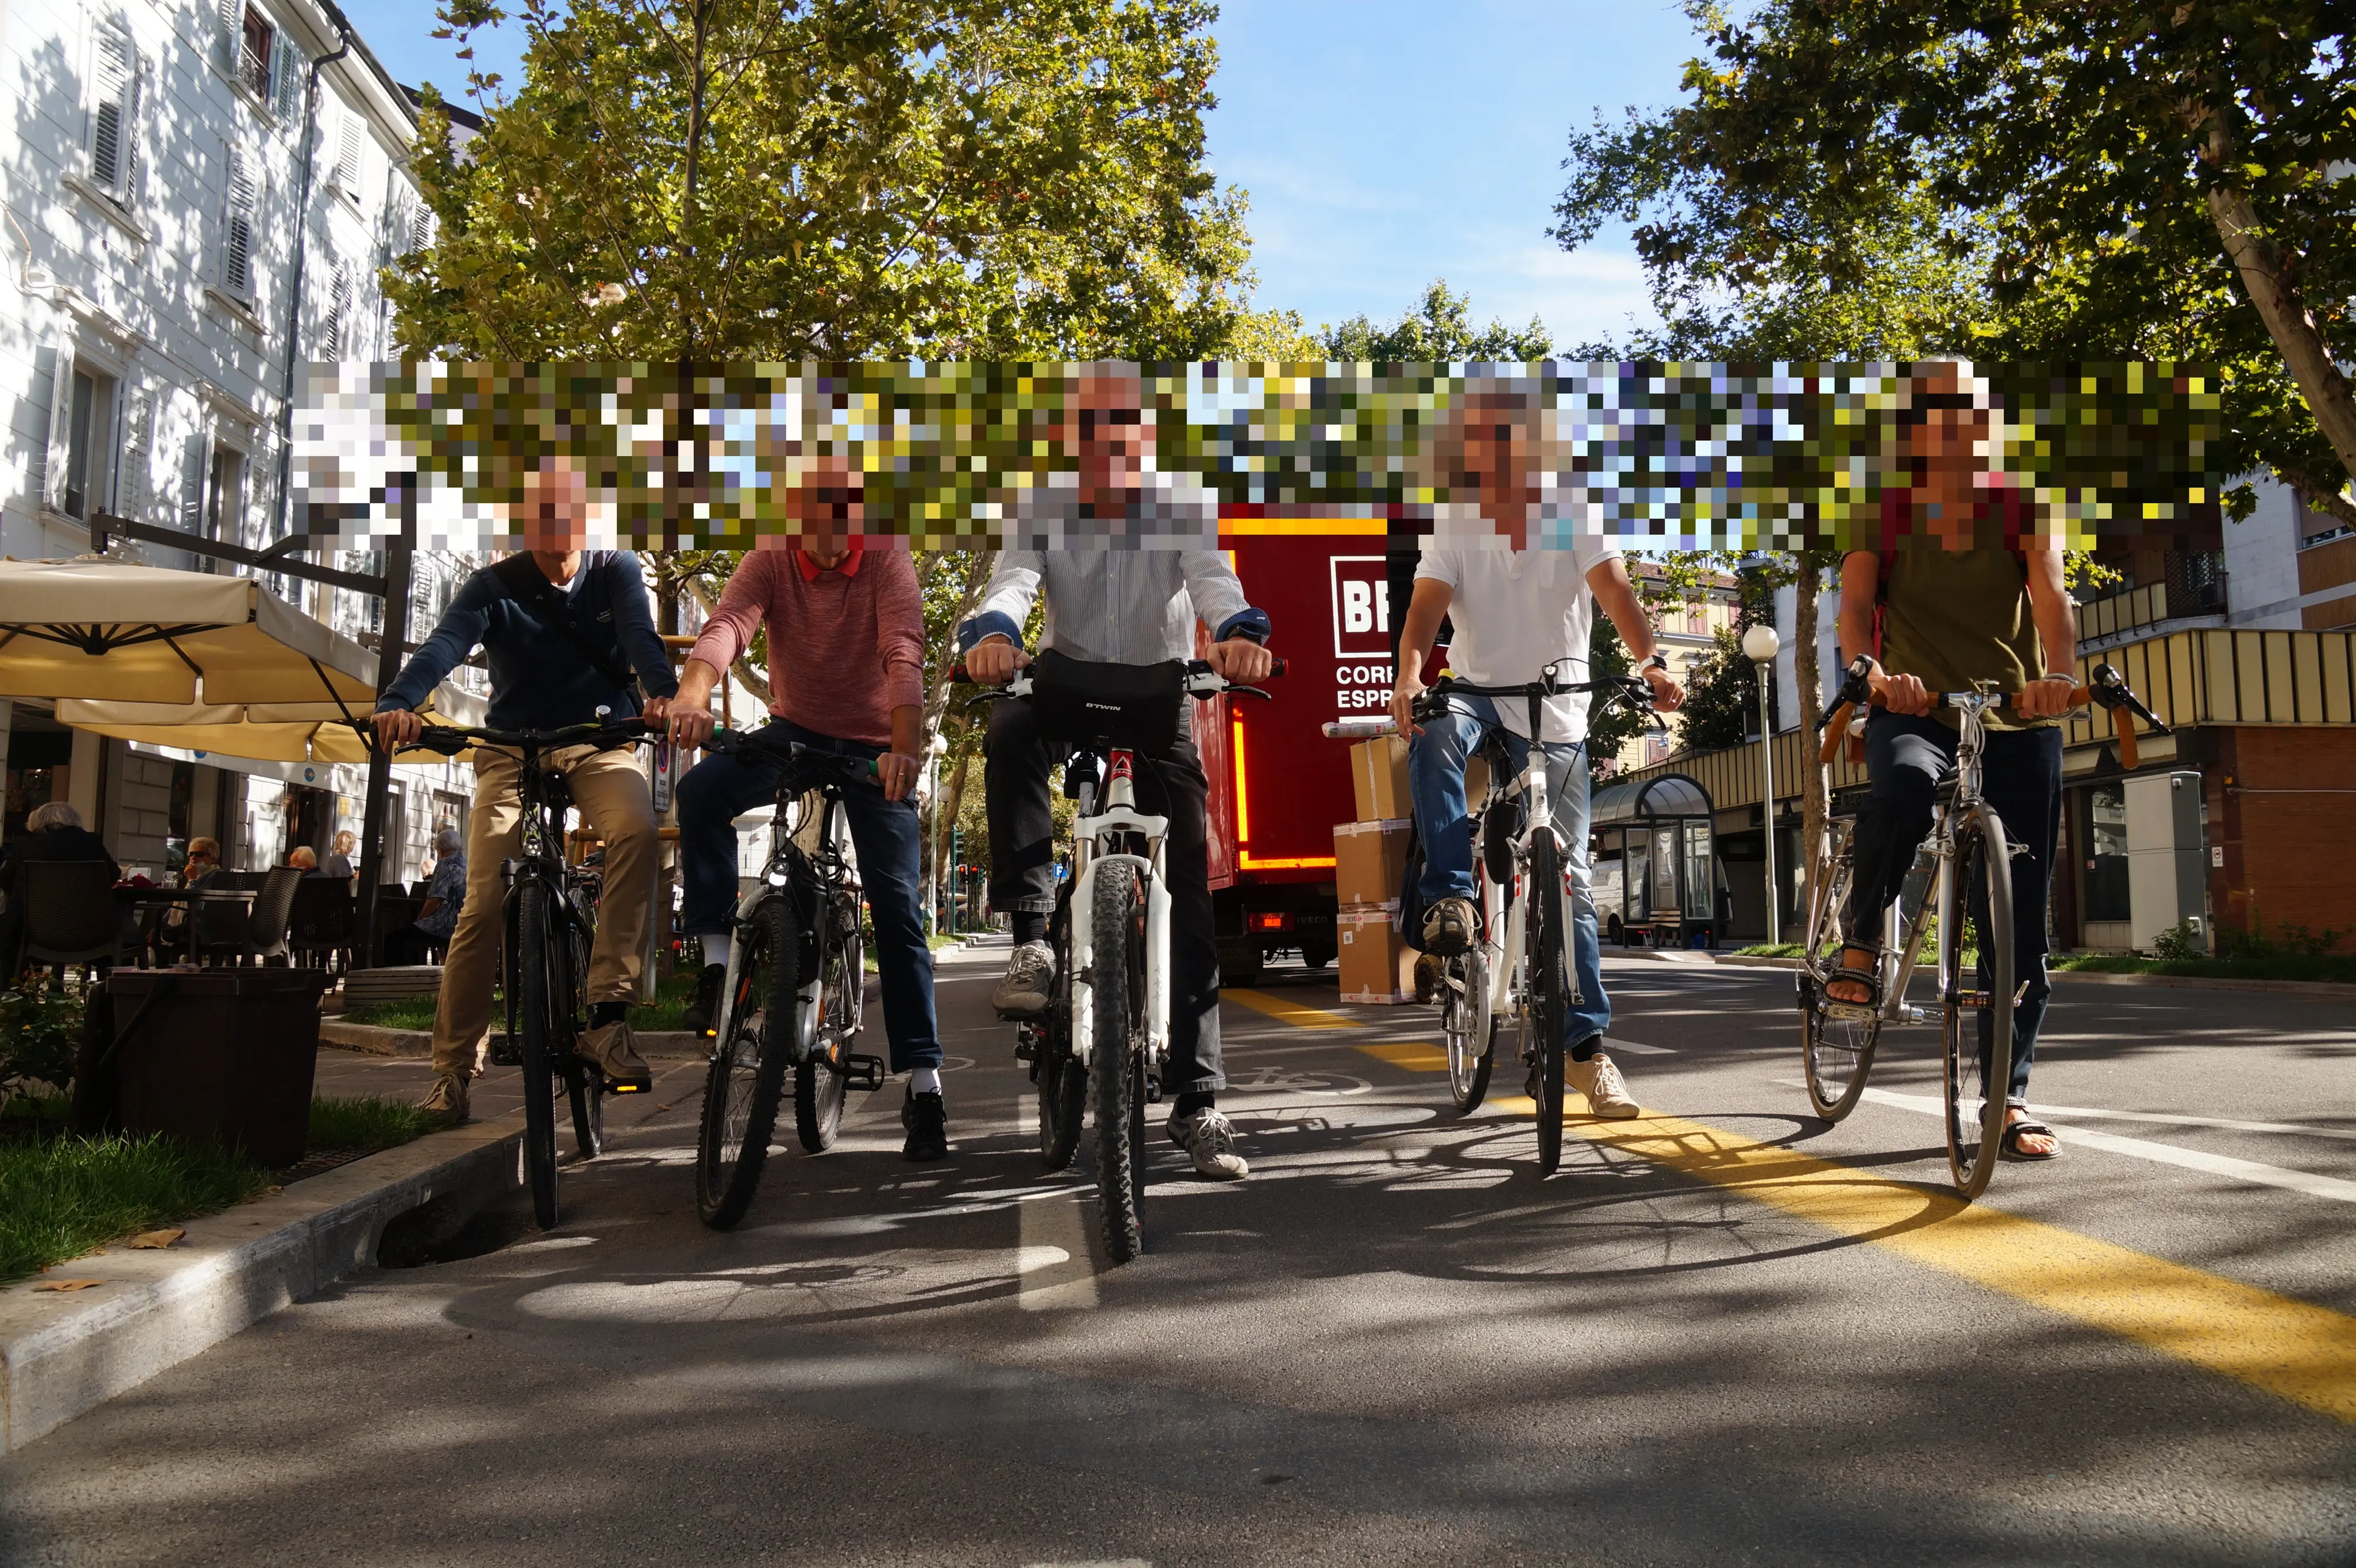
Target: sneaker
[[1606, 1090], [447, 1098], [702, 1014], [927, 1122], [615, 1051], [1024, 992], [1449, 927], [1209, 1140], [1431, 979]]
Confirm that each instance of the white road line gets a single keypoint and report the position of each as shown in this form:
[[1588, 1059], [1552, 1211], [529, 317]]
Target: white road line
[[1630, 1048], [2224, 1124], [2159, 1154]]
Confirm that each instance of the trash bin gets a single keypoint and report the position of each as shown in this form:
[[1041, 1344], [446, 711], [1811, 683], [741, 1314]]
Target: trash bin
[[223, 1054]]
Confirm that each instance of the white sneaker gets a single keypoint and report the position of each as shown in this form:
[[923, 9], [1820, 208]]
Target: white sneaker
[[1209, 1140], [1606, 1090], [1022, 993]]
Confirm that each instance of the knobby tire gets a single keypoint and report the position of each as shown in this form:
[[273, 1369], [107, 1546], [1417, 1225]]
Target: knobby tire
[[1062, 1083], [1117, 1072]]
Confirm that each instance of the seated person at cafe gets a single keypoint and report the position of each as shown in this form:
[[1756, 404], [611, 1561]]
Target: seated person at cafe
[[202, 864], [339, 856], [54, 832], [445, 894]]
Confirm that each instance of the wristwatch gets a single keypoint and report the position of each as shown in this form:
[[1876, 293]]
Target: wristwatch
[[1659, 661]]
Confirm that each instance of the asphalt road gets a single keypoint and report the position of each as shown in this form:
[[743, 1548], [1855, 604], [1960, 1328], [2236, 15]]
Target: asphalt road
[[1726, 1334]]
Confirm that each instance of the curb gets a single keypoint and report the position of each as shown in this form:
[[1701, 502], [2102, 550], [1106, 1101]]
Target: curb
[[370, 1039], [63, 1353]]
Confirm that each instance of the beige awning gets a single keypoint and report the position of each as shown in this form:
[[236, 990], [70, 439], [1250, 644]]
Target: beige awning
[[264, 732], [102, 631]]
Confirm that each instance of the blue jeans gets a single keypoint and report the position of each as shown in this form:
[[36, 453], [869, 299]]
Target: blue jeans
[[719, 789], [1435, 766]]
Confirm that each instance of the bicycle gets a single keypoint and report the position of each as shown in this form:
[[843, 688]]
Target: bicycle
[[1971, 912], [794, 991], [1107, 1025], [550, 912], [1517, 848]]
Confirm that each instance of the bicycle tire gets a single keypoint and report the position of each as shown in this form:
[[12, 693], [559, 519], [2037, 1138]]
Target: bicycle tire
[[586, 1085], [1976, 1072], [822, 1077], [1835, 1054], [747, 1076], [1549, 998], [535, 1017], [1117, 1072], [1468, 1029]]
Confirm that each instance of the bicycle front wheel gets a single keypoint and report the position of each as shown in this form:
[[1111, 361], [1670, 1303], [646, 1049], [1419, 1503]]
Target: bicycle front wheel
[[1549, 999], [748, 1069], [536, 1000], [1465, 1025], [822, 1078], [1977, 987], [1837, 1053], [1117, 995]]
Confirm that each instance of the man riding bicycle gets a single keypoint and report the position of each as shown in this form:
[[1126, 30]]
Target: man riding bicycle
[[1114, 597], [1976, 596], [846, 677], [566, 632], [1515, 611]]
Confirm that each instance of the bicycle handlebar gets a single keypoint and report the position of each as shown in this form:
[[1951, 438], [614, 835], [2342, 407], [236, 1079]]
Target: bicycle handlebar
[[1203, 683], [2108, 690], [853, 769], [449, 740]]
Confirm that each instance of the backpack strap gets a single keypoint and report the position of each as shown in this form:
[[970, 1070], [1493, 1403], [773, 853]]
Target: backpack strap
[[520, 577]]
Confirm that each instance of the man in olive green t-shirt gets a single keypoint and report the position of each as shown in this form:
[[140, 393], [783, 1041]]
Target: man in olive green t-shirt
[[1973, 594]]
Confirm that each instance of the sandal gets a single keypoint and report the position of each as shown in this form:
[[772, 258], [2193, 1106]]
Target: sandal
[[2008, 1145], [1868, 977]]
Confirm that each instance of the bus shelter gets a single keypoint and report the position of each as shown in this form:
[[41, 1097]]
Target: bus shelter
[[1655, 872]]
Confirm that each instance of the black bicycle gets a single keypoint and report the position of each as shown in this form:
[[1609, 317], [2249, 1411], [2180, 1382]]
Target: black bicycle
[[796, 980], [550, 910], [1518, 965]]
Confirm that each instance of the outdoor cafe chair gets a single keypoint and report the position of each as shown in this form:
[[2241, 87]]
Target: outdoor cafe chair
[[70, 915], [321, 922]]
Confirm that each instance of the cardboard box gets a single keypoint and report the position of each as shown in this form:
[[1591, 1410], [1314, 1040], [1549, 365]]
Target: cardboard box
[[1369, 861], [1375, 964], [1378, 778]]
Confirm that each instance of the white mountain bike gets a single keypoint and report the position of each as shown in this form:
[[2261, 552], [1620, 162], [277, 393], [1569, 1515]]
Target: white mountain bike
[[1106, 1027]]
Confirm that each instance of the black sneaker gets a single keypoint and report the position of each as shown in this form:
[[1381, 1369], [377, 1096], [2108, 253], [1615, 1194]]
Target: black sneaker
[[927, 1122], [702, 1014]]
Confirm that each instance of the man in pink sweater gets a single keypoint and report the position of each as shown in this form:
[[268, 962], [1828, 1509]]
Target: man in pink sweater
[[846, 660]]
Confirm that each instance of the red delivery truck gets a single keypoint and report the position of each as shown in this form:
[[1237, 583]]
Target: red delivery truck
[[1278, 784]]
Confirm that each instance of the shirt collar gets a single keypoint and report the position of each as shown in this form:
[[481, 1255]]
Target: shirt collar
[[850, 567]]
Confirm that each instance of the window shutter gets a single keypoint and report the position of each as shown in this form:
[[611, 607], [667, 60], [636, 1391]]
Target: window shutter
[[194, 462], [421, 226], [237, 245], [348, 157], [138, 443], [48, 466], [333, 342], [115, 80], [233, 37], [287, 76]]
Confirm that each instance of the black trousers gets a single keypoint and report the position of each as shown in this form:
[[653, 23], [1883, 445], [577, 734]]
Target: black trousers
[[1023, 871], [2020, 776]]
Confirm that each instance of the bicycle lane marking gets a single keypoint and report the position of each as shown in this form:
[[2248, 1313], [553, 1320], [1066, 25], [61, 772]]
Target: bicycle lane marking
[[2292, 1349]]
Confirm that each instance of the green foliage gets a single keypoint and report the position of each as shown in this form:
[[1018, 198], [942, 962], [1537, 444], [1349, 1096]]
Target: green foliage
[[830, 179], [1607, 732], [1437, 329], [40, 1036], [62, 1196], [2049, 183], [2176, 942], [368, 1121], [1721, 696]]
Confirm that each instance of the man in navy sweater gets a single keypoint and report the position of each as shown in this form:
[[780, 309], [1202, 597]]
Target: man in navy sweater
[[562, 629]]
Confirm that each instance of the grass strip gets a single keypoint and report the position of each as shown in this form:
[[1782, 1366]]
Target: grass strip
[[62, 1196], [2282, 966], [368, 1123], [663, 1014]]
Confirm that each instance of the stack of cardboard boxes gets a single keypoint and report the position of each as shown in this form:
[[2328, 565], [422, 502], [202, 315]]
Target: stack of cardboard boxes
[[1370, 876]]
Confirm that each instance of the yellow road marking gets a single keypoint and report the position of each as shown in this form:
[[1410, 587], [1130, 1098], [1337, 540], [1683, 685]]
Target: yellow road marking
[[1287, 1010], [2303, 1352]]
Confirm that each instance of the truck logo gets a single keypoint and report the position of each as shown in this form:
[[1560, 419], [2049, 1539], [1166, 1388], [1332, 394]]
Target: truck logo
[[1362, 606]]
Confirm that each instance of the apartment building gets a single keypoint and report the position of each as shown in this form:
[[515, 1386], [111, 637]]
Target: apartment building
[[197, 197]]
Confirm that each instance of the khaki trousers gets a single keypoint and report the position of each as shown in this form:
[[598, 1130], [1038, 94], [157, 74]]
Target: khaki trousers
[[612, 794]]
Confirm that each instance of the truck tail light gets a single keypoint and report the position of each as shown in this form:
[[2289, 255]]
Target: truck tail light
[[1271, 922]]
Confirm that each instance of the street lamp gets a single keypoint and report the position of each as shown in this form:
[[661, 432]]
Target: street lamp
[[1759, 645]]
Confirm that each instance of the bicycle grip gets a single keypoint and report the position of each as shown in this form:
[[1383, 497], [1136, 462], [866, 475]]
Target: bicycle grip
[[1835, 732], [2127, 758]]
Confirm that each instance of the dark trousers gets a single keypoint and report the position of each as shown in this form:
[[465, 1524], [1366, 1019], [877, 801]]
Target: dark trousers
[[2020, 777], [718, 790], [1023, 871]]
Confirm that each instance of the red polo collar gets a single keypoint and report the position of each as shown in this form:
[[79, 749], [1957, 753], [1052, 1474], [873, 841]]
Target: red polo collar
[[850, 567]]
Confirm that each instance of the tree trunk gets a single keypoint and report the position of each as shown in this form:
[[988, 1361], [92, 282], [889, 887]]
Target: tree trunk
[[2288, 321], [1808, 675], [979, 564]]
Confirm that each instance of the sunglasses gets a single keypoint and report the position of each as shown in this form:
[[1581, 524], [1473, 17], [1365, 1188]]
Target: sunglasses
[[1925, 401]]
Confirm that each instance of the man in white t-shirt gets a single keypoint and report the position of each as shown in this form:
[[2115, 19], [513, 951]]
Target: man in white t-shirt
[[1515, 611]]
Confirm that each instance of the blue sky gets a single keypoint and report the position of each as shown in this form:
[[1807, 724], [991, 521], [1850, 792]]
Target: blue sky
[[1385, 143]]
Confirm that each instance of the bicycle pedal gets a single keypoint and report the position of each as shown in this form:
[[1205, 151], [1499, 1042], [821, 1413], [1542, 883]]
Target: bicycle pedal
[[628, 1085], [505, 1052], [1153, 1092], [862, 1071], [1850, 1012]]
